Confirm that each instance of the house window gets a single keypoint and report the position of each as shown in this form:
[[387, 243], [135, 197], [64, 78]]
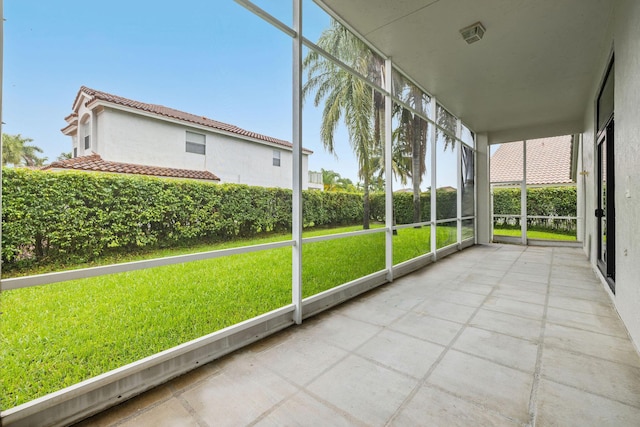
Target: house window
[[195, 143], [86, 134], [75, 152], [276, 158]]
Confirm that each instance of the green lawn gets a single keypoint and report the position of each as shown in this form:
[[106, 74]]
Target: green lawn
[[535, 234], [56, 335]]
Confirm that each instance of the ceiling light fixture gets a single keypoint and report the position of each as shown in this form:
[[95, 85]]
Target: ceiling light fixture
[[473, 33]]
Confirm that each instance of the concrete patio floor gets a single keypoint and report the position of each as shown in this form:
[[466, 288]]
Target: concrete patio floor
[[495, 335]]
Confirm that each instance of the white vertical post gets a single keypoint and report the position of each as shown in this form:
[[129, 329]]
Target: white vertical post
[[475, 191], [523, 194], [388, 170], [460, 181], [296, 214], [1, 142], [434, 184]]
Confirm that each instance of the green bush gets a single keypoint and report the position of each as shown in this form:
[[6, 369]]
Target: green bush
[[541, 201], [73, 217], [403, 206]]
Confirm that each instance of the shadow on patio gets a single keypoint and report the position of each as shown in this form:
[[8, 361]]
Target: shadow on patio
[[493, 335]]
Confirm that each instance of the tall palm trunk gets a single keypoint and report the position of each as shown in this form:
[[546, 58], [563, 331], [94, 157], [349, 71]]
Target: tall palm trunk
[[416, 154], [366, 203]]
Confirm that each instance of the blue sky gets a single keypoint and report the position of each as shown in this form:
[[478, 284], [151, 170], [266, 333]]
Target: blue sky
[[211, 58]]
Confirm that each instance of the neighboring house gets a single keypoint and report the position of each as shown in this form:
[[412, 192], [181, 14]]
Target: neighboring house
[[549, 163], [122, 131]]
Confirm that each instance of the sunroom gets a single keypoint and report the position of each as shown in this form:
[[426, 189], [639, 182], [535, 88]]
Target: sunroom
[[394, 290]]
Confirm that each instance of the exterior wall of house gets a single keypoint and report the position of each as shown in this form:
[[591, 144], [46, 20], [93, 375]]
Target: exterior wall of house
[[625, 37], [483, 203], [627, 158], [121, 136]]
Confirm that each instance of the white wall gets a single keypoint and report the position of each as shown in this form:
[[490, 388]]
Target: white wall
[[131, 138], [483, 213], [239, 161], [625, 38], [627, 159]]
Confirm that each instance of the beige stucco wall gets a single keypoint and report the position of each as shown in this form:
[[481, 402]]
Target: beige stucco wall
[[122, 136]]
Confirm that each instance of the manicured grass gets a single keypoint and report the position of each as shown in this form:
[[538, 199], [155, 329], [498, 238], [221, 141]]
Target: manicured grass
[[56, 335], [534, 234]]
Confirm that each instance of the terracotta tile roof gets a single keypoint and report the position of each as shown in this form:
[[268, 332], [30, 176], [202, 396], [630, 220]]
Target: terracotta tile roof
[[548, 161], [179, 115], [94, 163]]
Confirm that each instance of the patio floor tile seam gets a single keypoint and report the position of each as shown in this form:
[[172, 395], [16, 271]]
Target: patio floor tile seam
[[286, 399], [513, 298], [490, 360], [562, 291], [558, 307], [509, 281], [428, 341], [488, 329], [350, 417], [175, 391], [391, 368], [303, 388], [523, 316], [424, 380], [424, 313], [591, 392], [535, 386], [196, 416], [132, 415], [592, 356], [298, 388], [478, 405], [585, 329]]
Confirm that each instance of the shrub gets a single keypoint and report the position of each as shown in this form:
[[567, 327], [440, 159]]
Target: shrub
[[541, 201], [403, 206], [77, 216]]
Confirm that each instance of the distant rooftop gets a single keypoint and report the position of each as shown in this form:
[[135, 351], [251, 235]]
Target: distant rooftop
[[548, 161], [160, 110], [94, 163]]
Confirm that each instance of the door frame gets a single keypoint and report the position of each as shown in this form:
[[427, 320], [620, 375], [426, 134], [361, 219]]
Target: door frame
[[606, 266]]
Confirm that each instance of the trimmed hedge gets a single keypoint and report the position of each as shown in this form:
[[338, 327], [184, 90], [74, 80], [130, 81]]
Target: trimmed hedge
[[542, 201], [78, 216], [403, 206]]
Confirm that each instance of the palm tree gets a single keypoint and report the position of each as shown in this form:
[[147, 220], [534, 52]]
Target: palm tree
[[348, 98], [329, 179], [16, 152]]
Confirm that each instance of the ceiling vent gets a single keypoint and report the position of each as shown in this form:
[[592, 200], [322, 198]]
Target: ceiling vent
[[473, 32]]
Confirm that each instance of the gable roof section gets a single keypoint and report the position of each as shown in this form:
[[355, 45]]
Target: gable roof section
[[548, 161], [94, 163], [161, 110]]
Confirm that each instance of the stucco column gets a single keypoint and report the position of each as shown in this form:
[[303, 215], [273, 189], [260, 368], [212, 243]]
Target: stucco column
[[483, 201]]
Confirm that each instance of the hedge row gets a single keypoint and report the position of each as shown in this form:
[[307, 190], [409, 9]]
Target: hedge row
[[76, 217], [541, 201], [446, 201]]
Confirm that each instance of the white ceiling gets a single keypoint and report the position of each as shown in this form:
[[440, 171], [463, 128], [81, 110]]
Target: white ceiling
[[532, 75]]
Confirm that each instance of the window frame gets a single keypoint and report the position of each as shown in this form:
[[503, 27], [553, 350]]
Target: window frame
[[193, 146]]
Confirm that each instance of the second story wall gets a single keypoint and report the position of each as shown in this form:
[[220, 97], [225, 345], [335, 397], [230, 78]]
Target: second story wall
[[122, 136]]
